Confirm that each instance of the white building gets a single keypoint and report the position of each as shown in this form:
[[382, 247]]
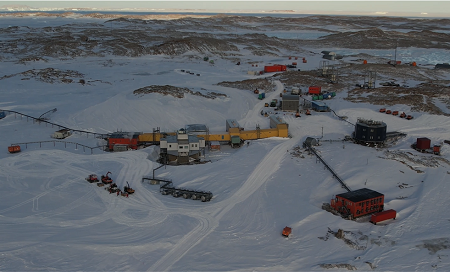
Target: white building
[[181, 148]]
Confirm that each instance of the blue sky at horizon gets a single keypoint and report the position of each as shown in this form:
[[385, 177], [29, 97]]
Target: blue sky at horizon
[[337, 6]]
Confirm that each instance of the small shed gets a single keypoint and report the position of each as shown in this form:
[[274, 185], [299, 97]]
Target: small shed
[[62, 133], [423, 143], [215, 145], [319, 106], [290, 102]]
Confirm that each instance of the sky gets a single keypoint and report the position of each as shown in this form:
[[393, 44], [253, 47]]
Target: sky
[[336, 6]]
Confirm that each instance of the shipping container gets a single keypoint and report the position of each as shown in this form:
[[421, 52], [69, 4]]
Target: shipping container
[[333, 94], [436, 149], [261, 96], [14, 148], [423, 143], [382, 216], [315, 97], [274, 68], [314, 89], [319, 106], [320, 97]]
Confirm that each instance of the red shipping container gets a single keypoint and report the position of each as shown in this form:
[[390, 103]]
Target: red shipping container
[[274, 68], [14, 148], [294, 63], [382, 216], [423, 143], [436, 148], [315, 89]]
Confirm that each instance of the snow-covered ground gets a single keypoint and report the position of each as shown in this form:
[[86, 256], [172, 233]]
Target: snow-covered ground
[[52, 219]]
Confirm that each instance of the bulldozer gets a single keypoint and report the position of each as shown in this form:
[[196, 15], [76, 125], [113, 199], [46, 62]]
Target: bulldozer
[[92, 178], [128, 189], [107, 179]]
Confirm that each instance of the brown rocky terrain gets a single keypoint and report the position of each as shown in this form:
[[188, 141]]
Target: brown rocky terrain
[[233, 38]]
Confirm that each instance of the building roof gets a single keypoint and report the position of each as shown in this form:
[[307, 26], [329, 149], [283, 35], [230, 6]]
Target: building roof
[[121, 135], [370, 123], [232, 123], [360, 195], [319, 103], [278, 120], [290, 97], [196, 128]]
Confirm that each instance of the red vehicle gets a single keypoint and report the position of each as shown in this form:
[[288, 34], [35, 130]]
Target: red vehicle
[[382, 216], [286, 231], [388, 111], [395, 113], [403, 115], [106, 179], [92, 178], [409, 117], [383, 110]]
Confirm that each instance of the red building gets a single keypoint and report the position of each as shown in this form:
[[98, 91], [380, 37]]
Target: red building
[[358, 203], [128, 139]]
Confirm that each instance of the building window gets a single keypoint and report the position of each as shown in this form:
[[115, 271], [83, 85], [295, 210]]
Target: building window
[[371, 137], [367, 203], [170, 145], [181, 147], [195, 145], [371, 202], [371, 130]]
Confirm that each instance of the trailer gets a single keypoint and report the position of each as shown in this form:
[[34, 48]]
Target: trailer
[[383, 216], [14, 148], [166, 187]]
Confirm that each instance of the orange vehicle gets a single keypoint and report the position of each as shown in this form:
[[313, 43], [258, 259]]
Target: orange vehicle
[[256, 91], [14, 148], [403, 115], [388, 111], [395, 113], [92, 178], [409, 117], [106, 179], [308, 112], [286, 231], [383, 110], [297, 114]]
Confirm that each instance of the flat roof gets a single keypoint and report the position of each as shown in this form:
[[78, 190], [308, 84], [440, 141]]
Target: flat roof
[[320, 103], [290, 97], [232, 123], [360, 195]]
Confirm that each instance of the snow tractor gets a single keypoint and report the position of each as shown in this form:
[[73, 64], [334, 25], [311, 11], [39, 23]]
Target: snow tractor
[[92, 178], [107, 179], [128, 189], [383, 110], [308, 112], [403, 115], [286, 231]]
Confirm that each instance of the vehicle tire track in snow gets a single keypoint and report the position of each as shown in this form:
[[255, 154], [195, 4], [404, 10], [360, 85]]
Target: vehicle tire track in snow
[[269, 165]]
